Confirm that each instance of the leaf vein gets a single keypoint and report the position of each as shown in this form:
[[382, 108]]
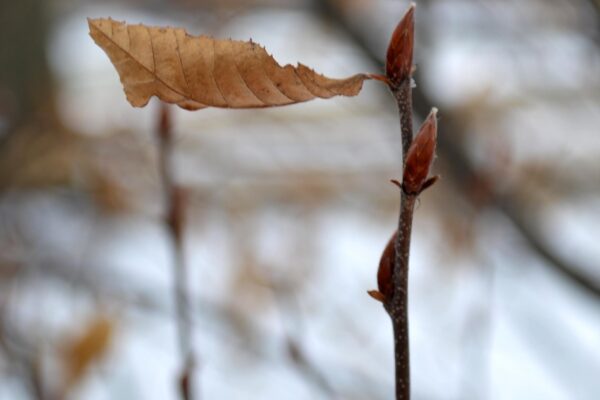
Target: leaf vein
[[304, 83], [212, 74], [263, 103], [155, 77], [187, 85]]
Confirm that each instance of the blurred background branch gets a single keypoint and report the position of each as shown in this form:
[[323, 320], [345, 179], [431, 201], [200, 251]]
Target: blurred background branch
[[289, 209]]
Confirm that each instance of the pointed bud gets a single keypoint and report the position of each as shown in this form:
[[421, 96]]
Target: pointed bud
[[399, 62], [385, 283], [420, 156]]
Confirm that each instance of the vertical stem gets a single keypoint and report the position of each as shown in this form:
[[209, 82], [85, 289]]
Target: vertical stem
[[397, 308], [174, 220], [403, 95]]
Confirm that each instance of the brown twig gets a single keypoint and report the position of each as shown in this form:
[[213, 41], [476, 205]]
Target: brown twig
[[174, 220], [463, 171], [401, 46], [403, 96], [417, 157], [415, 179], [397, 307]]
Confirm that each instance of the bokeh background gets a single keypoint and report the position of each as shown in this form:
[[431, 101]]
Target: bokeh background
[[288, 209]]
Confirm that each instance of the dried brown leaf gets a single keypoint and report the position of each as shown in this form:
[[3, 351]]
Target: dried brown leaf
[[198, 71], [89, 347]]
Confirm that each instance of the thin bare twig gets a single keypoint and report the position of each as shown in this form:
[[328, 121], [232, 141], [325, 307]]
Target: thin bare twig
[[397, 308], [174, 221], [403, 98], [461, 169], [415, 168]]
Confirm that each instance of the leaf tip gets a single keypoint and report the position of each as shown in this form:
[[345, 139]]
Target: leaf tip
[[91, 22]]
